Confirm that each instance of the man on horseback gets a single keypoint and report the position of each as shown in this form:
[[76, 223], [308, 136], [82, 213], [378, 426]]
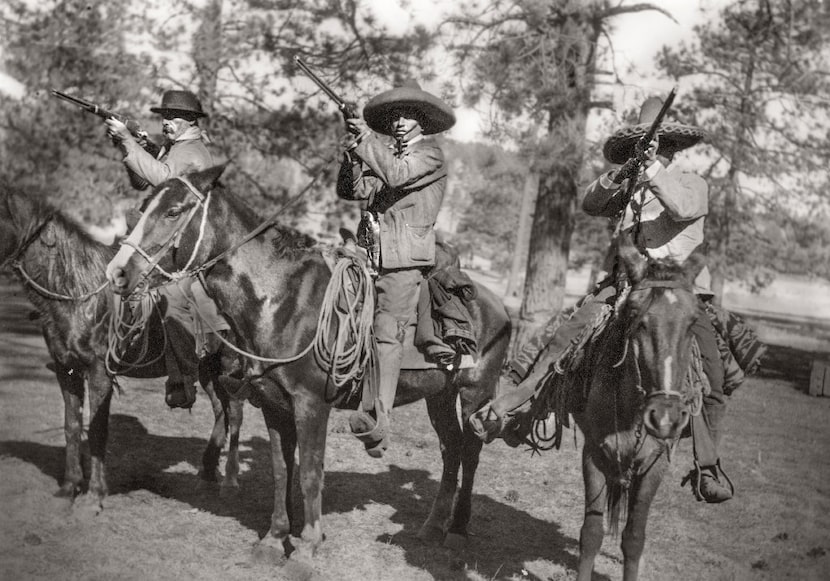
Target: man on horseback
[[184, 151], [665, 215], [402, 182]]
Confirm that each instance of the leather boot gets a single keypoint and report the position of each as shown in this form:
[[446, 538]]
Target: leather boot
[[182, 366], [709, 481]]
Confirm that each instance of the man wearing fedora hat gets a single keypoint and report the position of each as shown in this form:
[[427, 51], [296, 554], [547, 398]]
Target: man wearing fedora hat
[[665, 213], [184, 151], [402, 183]]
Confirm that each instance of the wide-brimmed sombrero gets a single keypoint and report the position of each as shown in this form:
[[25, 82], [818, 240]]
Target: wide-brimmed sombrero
[[435, 115], [620, 146]]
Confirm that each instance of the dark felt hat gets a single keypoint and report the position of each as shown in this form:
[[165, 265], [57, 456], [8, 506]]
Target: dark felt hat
[[183, 102], [620, 146], [435, 115]]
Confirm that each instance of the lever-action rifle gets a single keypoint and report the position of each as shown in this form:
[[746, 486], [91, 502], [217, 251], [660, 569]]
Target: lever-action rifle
[[645, 140], [347, 109], [132, 125]]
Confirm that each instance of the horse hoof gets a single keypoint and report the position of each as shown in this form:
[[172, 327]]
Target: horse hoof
[[229, 490], [299, 569], [431, 534], [68, 491], [210, 475], [203, 485], [87, 506], [269, 551], [455, 542]]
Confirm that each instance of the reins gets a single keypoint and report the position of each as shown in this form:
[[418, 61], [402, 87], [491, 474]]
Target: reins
[[347, 357]]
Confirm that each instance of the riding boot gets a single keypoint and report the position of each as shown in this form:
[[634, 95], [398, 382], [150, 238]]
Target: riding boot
[[371, 422], [182, 366], [706, 435]]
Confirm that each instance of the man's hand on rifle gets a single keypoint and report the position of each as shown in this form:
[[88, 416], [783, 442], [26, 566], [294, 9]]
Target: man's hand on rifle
[[647, 154], [628, 170], [358, 129], [117, 131]]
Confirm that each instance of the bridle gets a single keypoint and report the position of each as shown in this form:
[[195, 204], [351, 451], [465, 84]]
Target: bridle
[[173, 241], [630, 345]]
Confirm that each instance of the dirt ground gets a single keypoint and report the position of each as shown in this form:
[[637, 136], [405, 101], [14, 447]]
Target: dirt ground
[[157, 524]]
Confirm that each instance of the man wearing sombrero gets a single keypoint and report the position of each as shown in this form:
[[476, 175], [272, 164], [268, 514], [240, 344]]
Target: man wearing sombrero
[[669, 206], [402, 182], [184, 151]]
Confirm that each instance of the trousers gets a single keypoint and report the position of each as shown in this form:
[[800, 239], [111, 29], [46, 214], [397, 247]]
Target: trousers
[[396, 308]]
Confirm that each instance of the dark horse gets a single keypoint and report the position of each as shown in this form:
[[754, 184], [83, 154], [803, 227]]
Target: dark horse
[[638, 403], [271, 289], [62, 270]]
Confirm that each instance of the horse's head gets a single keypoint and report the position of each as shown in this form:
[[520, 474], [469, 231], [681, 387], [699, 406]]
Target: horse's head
[[658, 317], [169, 236]]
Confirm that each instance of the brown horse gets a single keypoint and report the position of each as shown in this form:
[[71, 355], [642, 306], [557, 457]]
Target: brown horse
[[638, 403], [62, 270], [271, 289]]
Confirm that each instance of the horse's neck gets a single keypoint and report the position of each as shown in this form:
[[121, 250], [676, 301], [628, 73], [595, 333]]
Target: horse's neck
[[614, 383]]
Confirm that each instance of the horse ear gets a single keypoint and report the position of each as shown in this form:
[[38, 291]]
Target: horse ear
[[635, 264], [207, 179]]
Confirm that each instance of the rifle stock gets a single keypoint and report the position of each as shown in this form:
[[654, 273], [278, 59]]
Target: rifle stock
[[347, 109]]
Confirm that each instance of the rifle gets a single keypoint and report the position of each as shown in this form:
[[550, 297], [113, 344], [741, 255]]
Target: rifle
[[347, 109], [132, 125], [643, 142]]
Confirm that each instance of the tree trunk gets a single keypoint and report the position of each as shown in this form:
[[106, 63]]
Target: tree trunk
[[208, 54], [529, 193], [550, 242]]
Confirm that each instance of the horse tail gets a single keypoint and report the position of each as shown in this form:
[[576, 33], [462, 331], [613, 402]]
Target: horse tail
[[617, 505]]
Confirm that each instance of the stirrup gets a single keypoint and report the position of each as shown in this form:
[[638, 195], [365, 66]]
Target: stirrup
[[695, 477], [372, 431]]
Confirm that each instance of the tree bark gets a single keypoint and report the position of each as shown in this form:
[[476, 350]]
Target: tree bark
[[529, 193], [550, 243]]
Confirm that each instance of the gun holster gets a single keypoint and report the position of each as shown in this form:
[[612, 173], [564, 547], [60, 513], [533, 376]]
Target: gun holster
[[368, 237]]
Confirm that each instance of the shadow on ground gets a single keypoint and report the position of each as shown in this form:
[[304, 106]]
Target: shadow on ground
[[139, 460]]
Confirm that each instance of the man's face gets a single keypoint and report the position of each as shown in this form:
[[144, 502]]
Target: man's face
[[404, 124], [173, 126]]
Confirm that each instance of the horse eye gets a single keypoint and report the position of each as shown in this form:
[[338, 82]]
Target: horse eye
[[174, 212]]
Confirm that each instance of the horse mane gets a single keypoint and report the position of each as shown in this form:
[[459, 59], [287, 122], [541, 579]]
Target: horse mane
[[73, 262], [286, 241]]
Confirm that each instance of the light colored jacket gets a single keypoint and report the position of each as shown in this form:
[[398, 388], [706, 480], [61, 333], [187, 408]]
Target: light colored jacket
[[187, 154], [673, 205], [404, 189]]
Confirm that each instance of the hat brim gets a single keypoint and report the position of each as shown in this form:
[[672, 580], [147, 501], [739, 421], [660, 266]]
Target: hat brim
[[620, 146], [179, 112], [436, 116]]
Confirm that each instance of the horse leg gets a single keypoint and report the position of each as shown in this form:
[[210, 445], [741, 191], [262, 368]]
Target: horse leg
[[311, 418], [441, 408], [462, 509], [634, 534], [100, 396], [593, 527], [208, 370], [72, 390], [280, 425], [235, 412]]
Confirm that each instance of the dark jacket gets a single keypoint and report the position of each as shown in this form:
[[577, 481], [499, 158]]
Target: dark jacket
[[405, 190]]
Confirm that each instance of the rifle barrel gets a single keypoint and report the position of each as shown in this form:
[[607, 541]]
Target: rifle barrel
[[74, 100], [319, 82]]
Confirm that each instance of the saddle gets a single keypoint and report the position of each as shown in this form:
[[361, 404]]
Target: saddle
[[443, 335]]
